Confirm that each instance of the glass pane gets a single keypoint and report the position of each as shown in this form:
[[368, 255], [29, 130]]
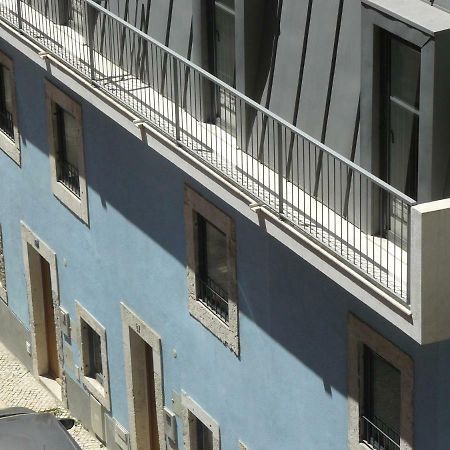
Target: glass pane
[[405, 72], [225, 51], [386, 396], [204, 437], [227, 3], [72, 133], [216, 256], [8, 89], [95, 354], [403, 143]]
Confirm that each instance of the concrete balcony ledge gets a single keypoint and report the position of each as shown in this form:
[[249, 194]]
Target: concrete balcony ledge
[[430, 270]]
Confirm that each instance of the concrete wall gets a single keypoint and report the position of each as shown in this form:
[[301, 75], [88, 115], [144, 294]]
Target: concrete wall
[[289, 387]]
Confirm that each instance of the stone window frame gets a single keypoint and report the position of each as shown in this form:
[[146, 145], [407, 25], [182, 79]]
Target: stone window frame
[[192, 411], [79, 206], [360, 335], [194, 203], [99, 391], [11, 147], [3, 291]]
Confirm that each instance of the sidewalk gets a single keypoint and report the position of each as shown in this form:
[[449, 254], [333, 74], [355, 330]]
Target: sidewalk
[[19, 388]]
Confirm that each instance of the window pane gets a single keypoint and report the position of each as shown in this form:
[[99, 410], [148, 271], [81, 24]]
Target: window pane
[[403, 145], [204, 437], [216, 256], [405, 72], [71, 135], [95, 355], [228, 3], [381, 409], [386, 393]]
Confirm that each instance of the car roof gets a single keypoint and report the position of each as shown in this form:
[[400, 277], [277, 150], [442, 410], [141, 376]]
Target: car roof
[[37, 431]]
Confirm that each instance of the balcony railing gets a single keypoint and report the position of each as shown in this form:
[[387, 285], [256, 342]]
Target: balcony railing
[[342, 207]]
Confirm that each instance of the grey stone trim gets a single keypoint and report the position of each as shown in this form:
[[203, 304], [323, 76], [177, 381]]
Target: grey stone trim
[[79, 206], [100, 392], [191, 412], [3, 292], [29, 239], [360, 334], [11, 147], [195, 204], [131, 321]]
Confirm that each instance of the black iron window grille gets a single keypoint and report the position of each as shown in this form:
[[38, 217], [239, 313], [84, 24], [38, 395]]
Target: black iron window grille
[[66, 172], [212, 273], [6, 118]]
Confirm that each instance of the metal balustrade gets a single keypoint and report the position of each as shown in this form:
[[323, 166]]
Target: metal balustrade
[[378, 435], [68, 175], [212, 296], [7, 123], [344, 208]]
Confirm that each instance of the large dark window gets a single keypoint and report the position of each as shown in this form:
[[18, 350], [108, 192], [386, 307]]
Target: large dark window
[[6, 116], [380, 418], [400, 113], [212, 273], [67, 146]]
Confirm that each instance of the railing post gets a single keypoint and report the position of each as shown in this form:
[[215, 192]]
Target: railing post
[[280, 170], [19, 14], [176, 99]]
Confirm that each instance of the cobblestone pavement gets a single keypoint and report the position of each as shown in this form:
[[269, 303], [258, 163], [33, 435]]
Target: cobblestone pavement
[[19, 388]]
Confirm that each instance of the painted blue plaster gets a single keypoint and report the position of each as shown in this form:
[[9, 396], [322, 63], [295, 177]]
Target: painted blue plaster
[[288, 388]]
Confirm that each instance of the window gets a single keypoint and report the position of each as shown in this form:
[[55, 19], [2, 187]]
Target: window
[[93, 354], [66, 151], [9, 134], [211, 268], [400, 89], [203, 432], [380, 414], [381, 379], [212, 273], [3, 294], [203, 436], [94, 369]]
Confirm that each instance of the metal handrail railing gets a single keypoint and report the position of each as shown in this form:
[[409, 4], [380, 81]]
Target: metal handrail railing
[[378, 438], [254, 104], [326, 196]]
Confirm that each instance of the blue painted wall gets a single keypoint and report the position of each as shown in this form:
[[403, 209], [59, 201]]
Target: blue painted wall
[[288, 389]]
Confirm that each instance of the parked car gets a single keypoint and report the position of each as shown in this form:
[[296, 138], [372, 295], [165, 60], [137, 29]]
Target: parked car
[[24, 429]]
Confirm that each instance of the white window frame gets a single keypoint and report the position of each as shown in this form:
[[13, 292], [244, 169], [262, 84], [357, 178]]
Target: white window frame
[[360, 335], [192, 411], [79, 206], [3, 291], [11, 147], [195, 204], [98, 390]]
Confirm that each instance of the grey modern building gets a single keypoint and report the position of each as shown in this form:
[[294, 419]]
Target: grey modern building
[[224, 224]]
